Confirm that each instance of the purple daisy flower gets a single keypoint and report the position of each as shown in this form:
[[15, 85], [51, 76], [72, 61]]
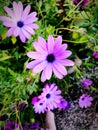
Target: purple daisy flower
[[19, 22], [64, 104], [85, 101], [86, 83], [50, 96], [82, 3], [50, 56], [39, 107], [11, 125]]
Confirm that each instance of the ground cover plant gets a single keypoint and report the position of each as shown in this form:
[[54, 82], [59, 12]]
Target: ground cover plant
[[48, 59]]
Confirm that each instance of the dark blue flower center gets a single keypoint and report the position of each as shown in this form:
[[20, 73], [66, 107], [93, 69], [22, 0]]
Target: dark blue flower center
[[83, 98], [48, 95], [20, 24], [41, 104], [50, 58]]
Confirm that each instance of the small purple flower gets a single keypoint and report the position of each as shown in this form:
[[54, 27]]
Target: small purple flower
[[50, 56], [11, 125], [50, 96], [95, 54], [85, 101], [19, 22], [65, 105], [82, 3], [40, 107], [86, 83]]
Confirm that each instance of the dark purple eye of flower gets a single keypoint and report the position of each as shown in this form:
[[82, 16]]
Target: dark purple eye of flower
[[48, 95], [20, 24], [50, 58], [83, 98], [41, 104]]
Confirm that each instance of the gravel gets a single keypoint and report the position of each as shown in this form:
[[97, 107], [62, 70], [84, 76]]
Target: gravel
[[76, 118]]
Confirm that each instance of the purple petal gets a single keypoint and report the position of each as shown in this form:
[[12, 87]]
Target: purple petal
[[48, 71], [28, 29], [58, 41], [5, 19], [9, 11], [42, 43], [26, 34], [60, 49], [67, 62], [10, 32], [22, 37], [67, 53], [39, 67], [26, 12], [32, 64], [34, 26], [43, 77], [36, 55], [8, 23], [57, 73], [60, 68], [16, 31], [39, 48], [50, 44], [20, 8], [62, 54], [33, 15], [30, 20], [16, 9]]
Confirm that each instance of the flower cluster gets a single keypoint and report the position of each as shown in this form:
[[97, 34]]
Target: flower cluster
[[50, 56], [11, 125], [49, 99], [19, 22]]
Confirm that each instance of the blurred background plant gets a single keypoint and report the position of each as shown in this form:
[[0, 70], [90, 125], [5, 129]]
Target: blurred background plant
[[78, 27]]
